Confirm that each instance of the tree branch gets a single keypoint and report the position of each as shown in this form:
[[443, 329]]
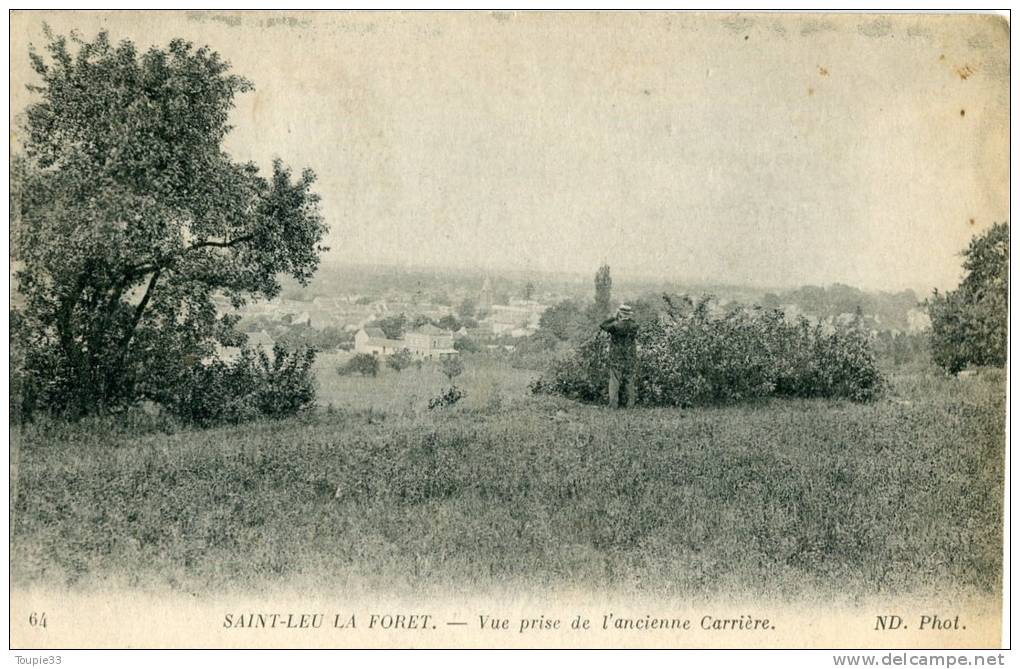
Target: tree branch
[[136, 271], [139, 311], [219, 244], [159, 264]]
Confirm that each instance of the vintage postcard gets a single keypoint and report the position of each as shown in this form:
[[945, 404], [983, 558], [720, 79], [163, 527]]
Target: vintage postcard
[[508, 329]]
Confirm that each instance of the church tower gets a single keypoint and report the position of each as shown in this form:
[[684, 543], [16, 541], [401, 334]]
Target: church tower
[[485, 298]]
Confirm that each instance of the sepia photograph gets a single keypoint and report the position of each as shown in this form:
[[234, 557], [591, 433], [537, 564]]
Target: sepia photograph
[[508, 329]]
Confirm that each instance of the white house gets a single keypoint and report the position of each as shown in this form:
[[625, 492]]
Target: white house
[[430, 342], [521, 315], [375, 342], [427, 342]]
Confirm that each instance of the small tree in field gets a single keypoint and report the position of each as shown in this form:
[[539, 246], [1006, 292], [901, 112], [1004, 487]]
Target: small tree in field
[[969, 325], [127, 218], [400, 360], [451, 367], [365, 364]]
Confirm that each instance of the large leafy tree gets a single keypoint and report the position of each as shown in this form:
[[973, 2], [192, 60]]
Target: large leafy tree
[[564, 321], [970, 324], [128, 218]]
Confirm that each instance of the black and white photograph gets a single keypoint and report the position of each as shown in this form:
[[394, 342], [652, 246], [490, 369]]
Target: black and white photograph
[[508, 329]]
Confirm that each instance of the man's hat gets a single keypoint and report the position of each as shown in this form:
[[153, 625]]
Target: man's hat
[[625, 309]]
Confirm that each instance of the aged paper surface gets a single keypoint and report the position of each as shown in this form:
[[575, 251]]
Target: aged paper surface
[[500, 158]]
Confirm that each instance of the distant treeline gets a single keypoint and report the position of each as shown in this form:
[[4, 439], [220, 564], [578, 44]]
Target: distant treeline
[[443, 286], [890, 308]]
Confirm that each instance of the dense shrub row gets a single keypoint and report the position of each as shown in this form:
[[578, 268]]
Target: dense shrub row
[[697, 353], [254, 385]]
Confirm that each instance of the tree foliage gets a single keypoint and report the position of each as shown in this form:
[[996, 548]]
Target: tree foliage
[[468, 308], [449, 322], [565, 321], [364, 364], [393, 326], [969, 325], [451, 367], [255, 385], [127, 218], [400, 360], [466, 345]]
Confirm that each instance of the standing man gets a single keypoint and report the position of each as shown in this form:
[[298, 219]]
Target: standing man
[[622, 355]]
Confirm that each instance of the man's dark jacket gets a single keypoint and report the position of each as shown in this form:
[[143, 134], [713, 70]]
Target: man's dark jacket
[[623, 344]]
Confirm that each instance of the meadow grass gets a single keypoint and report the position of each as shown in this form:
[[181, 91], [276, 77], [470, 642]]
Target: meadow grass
[[777, 498], [486, 380]]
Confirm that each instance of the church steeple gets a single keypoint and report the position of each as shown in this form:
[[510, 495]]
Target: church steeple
[[485, 298]]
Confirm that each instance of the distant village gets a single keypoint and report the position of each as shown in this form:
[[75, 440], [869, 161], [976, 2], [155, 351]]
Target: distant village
[[430, 330]]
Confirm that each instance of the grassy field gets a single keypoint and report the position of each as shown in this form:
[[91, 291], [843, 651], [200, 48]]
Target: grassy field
[[487, 382], [505, 489]]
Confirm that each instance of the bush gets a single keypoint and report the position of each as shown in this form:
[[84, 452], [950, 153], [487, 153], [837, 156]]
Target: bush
[[698, 354], [451, 367], [451, 396], [400, 360], [466, 345], [249, 387], [365, 364]]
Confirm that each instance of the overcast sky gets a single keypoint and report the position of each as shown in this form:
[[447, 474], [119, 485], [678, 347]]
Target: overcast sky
[[772, 150]]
